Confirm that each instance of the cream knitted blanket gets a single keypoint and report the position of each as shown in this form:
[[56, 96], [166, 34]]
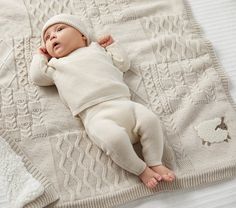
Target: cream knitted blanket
[[174, 72]]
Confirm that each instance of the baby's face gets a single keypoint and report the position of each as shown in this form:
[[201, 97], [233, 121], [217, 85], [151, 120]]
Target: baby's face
[[61, 39]]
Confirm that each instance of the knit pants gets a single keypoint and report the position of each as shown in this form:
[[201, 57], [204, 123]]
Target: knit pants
[[117, 124]]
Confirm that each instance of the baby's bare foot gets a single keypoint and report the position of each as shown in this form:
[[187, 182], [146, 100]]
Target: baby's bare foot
[[149, 177], [166, 174]]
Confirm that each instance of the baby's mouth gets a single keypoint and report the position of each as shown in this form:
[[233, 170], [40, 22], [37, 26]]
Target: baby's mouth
[[55, 44]]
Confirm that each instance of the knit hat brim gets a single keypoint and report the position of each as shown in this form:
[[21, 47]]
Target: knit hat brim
[[68, 19]]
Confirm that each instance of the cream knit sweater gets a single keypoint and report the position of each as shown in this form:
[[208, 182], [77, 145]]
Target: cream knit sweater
[[85, 77]]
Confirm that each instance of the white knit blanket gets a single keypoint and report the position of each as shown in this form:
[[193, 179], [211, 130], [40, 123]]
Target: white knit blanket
[[174, 72]]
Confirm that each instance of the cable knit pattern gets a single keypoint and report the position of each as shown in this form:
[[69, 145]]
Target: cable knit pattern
[[20, 119], [86, 167], [174, 72]]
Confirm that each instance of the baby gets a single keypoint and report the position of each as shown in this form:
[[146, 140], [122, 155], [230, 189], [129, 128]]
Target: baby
[[89, 79]]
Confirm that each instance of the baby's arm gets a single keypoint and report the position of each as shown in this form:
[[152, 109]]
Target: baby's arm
[[40, 72], [118, 54]]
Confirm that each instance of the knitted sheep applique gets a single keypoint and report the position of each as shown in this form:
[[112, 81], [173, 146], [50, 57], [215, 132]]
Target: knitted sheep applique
[[213, 131]]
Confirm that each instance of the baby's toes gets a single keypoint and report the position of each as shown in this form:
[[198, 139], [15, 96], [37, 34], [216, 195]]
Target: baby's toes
[[166, 177], [152, 183], [157, 177], [171, 176]]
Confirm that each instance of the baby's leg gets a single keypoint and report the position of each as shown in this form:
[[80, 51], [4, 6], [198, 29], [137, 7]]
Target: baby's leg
[[151, 138], [115, 142]]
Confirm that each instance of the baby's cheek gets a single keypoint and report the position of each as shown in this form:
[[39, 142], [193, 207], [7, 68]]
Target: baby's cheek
[[49, 50]]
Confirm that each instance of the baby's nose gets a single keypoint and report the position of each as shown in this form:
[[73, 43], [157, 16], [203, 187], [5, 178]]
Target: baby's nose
[[52, 35]]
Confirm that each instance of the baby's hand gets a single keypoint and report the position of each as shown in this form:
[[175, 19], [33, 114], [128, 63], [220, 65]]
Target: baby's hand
[[105, 41], [42, 50]]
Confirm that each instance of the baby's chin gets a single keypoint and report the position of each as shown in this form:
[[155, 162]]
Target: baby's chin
[[61, 53]]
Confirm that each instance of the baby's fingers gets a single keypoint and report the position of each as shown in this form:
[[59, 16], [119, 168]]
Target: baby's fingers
[[109, 41], [42, 50], [103, 39]]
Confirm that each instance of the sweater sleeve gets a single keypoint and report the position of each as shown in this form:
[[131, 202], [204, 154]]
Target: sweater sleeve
[[40, 73], [119, 56]]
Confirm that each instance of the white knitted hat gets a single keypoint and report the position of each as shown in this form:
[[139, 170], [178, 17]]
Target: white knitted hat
[[68, 19]]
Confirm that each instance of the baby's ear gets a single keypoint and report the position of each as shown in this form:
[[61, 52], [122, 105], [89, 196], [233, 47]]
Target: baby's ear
[[84, 38]]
